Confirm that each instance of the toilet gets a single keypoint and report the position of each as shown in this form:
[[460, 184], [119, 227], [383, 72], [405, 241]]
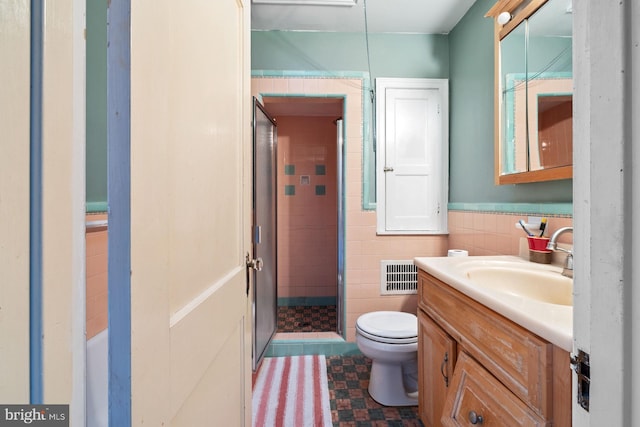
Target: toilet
[[390, 340]]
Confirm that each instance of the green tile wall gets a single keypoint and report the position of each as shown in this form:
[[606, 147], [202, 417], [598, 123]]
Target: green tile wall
[[328, 347]]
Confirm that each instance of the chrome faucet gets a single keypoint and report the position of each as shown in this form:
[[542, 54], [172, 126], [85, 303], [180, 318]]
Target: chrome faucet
[[567, 269]]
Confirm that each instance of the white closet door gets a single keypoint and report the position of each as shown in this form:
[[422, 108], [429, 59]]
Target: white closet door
[[412, 162]]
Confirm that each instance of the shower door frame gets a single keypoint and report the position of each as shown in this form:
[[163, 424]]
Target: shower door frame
[[340, 194], [264, 241], [341, 227]]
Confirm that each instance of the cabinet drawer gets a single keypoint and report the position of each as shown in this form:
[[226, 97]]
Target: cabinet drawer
[[519, 359], [477, 397]]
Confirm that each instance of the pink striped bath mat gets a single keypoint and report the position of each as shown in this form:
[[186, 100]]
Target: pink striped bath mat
[[292, 391]]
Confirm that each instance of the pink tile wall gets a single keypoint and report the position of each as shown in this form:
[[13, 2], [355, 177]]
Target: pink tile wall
[[96, 278], [307, 223], [495, 233]]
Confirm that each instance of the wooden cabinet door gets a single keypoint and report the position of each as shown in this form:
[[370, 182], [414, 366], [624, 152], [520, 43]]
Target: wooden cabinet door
[[436, 356], [478, 398]]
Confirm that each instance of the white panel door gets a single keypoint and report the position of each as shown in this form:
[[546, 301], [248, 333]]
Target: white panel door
[[190, 213], [412, 161]]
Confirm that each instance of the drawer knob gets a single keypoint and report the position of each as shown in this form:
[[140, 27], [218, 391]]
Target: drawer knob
[[475, 418]]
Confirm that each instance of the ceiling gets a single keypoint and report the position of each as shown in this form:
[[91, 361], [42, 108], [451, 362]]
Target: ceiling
[[383, 16]]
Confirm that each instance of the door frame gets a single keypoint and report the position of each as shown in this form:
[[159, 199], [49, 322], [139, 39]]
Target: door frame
[[58, 206], [607, 259], [119, 207]]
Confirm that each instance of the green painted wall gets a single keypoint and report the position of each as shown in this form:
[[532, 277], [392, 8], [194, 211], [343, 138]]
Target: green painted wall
[[96, 187], [465, 56], [471, 164], [392, 55]]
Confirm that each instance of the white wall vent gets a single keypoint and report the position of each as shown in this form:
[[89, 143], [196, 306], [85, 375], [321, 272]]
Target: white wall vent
[[398, 277]]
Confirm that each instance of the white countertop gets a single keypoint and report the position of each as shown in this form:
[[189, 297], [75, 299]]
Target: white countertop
[[551, 322]]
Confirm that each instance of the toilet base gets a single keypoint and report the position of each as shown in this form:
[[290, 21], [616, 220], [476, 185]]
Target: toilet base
[[386, 385]]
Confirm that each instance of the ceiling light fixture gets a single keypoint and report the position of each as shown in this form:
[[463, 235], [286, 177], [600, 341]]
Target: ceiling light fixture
[[309, 2]]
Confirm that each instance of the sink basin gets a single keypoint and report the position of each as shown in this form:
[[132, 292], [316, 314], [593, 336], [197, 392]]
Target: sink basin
[[535, 296], [539, 284]]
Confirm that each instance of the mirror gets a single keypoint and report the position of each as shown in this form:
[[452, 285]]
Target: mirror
[[534, 138]]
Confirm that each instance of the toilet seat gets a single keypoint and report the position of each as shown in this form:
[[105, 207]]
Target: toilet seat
[[390, 327]]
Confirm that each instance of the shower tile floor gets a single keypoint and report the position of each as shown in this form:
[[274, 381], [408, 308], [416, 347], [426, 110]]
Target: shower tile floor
[[307, 318]]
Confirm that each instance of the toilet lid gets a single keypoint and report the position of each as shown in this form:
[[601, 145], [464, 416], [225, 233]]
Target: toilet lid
[[396, 325]]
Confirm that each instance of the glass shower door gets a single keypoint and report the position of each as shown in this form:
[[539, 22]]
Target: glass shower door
[[264, 232]]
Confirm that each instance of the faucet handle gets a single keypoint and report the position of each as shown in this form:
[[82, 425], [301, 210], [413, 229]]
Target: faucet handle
[[568, 262], [567, 269]]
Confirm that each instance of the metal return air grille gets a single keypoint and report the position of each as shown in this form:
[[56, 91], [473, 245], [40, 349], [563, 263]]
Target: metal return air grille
[[398, 277]]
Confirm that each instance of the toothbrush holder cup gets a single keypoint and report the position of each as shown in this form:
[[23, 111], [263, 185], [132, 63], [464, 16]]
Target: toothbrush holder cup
[[538, 244], [538, 251]]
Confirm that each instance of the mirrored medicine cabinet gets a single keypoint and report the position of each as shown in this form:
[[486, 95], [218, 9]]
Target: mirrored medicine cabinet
[[534, 85]]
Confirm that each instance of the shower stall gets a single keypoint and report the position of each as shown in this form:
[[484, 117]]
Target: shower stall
[[310, 230]]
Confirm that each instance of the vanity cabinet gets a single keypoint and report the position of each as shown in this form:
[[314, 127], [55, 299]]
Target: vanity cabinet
[[502, 373]]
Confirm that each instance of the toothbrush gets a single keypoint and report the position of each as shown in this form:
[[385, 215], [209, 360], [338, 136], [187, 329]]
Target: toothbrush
[[530, 234], [543, 225]]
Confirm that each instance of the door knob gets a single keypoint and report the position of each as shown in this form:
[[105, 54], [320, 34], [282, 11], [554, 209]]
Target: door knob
[[475, 418], [388, 169], [256, 263]]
